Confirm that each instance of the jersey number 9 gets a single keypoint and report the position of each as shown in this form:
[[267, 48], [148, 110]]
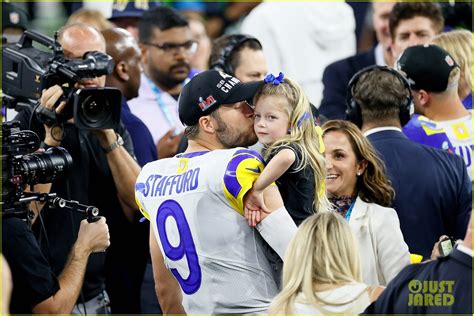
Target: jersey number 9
[[186, 247]]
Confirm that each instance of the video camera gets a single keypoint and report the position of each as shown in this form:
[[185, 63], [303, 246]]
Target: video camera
[[28, 70], [21, 167]]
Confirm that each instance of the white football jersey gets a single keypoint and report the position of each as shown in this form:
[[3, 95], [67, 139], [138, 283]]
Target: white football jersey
[[195, 205]]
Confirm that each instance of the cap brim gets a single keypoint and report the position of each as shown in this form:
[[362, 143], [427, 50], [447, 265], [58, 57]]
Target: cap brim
[[246, 91], [118, 15]]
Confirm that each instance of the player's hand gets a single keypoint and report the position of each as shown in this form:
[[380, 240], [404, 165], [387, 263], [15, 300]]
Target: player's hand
[[168, 145], [48, 99], [253, 217], [254, 205]]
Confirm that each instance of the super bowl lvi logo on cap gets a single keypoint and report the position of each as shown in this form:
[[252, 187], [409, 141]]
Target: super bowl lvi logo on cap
[[205, 104]]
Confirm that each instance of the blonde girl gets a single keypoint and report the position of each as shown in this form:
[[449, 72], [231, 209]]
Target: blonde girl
[[284, 124], [321, 273]]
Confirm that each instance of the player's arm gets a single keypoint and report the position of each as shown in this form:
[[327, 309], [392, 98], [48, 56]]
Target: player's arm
[[166, 287], [277, 228]]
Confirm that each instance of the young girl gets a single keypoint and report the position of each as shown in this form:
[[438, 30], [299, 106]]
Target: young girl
[[293, 149]]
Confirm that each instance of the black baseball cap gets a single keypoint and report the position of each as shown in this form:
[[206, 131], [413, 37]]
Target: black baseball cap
[[427, 67], [13, 16], [206, 91]]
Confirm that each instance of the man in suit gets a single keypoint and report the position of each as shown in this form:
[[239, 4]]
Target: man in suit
[[442, 286], [432, 188], [409, 24], [414, 23], [337, 75]]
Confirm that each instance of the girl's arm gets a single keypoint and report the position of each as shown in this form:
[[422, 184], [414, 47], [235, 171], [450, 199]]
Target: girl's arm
[[277, 166], [254, 202]]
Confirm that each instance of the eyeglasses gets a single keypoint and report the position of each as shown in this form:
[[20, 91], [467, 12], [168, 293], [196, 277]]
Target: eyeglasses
[[190, 47]]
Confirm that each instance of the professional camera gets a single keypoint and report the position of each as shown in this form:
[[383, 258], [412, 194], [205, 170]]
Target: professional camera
[[28, 70], [20, 167]]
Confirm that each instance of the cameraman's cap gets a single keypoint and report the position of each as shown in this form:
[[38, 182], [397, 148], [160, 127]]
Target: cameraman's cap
[[427, 67], [13, 16], [131, 9], [208, 90]]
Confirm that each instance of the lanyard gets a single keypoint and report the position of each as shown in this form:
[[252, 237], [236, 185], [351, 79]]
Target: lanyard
[[159, 100], [349, 212]]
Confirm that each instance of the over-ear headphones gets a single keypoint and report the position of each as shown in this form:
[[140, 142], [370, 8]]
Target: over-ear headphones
[[235, 42], [353, 110]]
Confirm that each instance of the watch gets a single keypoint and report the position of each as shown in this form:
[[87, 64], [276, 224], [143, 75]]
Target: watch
[[45, 146], [114, 145]]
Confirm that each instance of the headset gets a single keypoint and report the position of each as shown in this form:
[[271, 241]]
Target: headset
[[235, 42], [353, 110]]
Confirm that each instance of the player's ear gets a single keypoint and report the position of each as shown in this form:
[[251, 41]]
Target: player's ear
[[206, 124]]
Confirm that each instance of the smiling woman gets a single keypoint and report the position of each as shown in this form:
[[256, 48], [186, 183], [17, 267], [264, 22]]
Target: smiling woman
[[362, 194]]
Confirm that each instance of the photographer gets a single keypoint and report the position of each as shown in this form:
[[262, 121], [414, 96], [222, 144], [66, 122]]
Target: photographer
[[103, 174], [36, 289]]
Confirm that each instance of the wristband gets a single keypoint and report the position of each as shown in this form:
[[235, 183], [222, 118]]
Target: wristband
[[114, 145]]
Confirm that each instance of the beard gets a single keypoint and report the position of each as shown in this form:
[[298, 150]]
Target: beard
[[169, 79], [230, 137]]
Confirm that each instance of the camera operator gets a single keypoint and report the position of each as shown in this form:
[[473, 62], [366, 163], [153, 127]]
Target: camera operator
[[103, 174], [36, 289]]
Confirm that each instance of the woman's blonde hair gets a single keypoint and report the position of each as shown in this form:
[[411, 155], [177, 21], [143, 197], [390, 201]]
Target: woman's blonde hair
[[303, 133], [373, 185], [323, 252], [458, 44]]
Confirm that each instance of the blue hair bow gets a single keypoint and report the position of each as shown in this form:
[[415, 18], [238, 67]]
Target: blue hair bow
[[305, 116], [274, 80]]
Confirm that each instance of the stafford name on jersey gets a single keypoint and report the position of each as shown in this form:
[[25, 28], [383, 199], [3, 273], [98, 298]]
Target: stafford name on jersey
[[158, 185]]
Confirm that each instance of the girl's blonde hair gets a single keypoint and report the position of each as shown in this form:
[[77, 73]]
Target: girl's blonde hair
[[458, 44], [323, 252], [303, 133]]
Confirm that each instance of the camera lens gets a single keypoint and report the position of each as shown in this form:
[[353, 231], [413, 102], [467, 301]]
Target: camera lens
[[44, 167], [95, 109]]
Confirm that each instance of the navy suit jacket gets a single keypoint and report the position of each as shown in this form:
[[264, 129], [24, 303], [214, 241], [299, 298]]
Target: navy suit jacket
[[456, 272], [432, 190], [336, 77]]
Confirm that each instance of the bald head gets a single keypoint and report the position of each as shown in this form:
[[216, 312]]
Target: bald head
[[123, 48], [77, 39], [120, 44]]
